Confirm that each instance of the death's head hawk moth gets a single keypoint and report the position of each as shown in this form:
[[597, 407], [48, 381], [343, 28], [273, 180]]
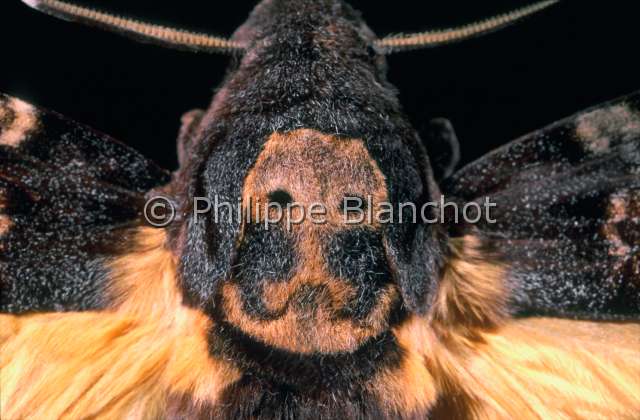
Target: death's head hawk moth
[[535, 315]]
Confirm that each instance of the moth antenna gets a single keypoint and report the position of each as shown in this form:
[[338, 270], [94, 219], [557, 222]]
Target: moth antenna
[[438, 37], [146, 32]]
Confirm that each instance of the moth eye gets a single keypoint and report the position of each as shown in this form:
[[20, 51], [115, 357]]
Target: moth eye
[[280, 197], [371, 51]]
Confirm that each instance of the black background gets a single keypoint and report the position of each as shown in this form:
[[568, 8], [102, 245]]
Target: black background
[[493, 89]]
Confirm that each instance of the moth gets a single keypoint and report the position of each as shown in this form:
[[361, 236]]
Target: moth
[[102, 315]]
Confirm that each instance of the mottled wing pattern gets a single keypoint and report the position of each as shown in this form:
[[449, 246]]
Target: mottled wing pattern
[[67, 195], [568, 212]]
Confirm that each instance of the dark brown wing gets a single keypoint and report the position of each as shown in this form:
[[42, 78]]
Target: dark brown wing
[[568, 212], [66, 195]]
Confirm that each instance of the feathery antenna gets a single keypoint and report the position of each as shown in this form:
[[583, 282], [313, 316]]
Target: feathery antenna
[[146, 32], [435, 38]]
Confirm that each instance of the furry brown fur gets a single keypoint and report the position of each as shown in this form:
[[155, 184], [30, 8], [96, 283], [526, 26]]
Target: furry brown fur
[[115, 364], [313, 168], [125, 363]]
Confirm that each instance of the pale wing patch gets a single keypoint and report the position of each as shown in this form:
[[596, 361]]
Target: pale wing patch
[[18, 119], [623, 220], [5, 222], [598, 129]]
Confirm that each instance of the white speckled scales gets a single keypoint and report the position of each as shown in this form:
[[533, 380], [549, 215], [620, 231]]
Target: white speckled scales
[[568, 211]]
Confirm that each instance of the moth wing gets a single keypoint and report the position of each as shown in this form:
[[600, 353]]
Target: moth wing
[[567, 212], [68, 197]]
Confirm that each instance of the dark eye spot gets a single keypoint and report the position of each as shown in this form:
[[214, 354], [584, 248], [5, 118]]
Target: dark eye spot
[[280, 197], [357, 256], [371, 51]]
